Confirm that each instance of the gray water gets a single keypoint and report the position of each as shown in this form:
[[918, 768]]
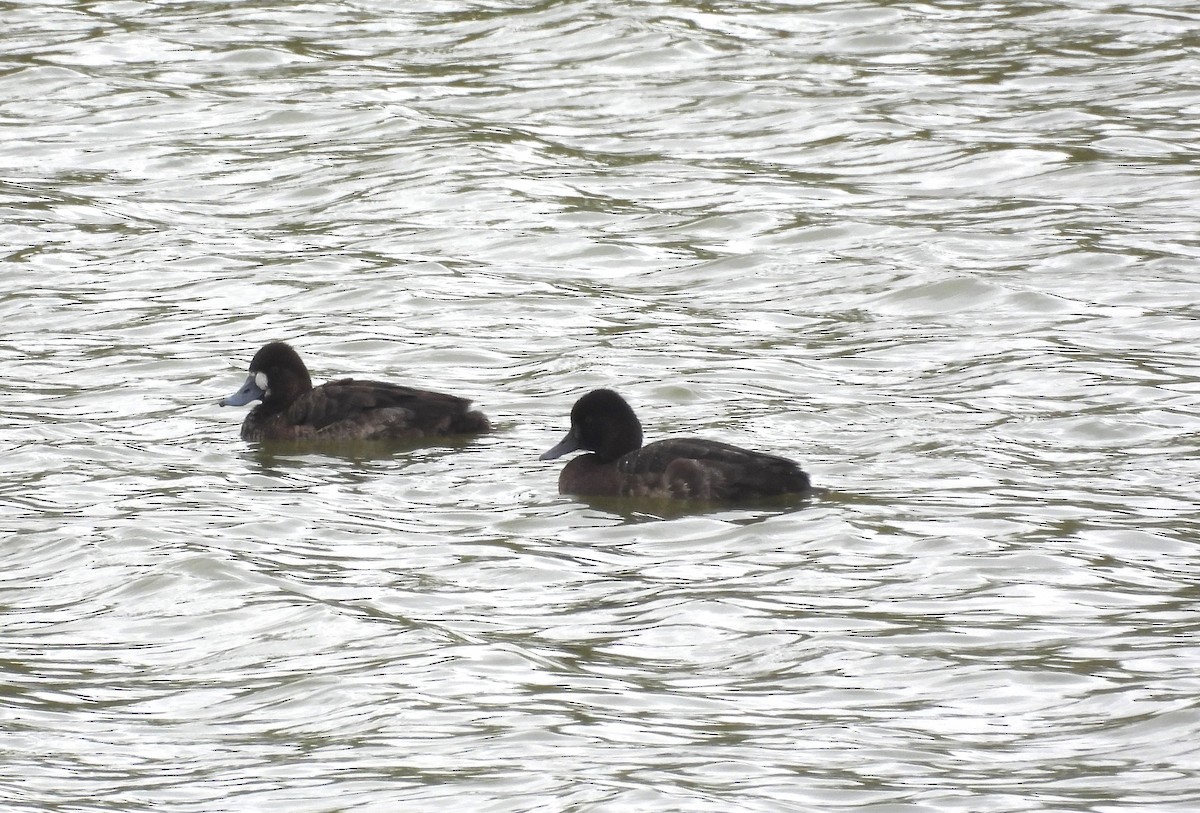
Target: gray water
[[945, 255]]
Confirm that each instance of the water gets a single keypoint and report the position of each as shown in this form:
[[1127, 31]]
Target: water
[[944, 255]]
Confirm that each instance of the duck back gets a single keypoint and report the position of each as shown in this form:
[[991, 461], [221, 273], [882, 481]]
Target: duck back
[[693, 468], [350, 409]]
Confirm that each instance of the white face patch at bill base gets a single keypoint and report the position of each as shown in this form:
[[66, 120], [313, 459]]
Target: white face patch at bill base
[[260, 380]]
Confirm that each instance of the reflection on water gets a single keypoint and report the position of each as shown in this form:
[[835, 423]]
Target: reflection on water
[[942, 257]]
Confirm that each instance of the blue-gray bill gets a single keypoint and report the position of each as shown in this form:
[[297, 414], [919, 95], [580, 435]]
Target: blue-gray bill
[[564, 446], [250, 391]]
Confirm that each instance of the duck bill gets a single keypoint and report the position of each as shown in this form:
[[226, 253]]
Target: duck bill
[[565, 446], [250, 391]]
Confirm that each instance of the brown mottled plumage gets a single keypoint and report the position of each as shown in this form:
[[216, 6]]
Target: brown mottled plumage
[[344, 410], [679, 468]]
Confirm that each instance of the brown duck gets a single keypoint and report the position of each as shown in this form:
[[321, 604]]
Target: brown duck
[[291, 408], [680, 468]]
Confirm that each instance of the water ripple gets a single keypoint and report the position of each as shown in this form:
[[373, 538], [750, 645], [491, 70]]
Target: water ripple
[[942, 256]]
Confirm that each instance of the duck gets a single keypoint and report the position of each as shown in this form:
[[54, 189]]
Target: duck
[[291, 408], [603, 423]]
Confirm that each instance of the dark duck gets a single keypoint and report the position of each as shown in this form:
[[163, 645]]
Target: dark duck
[[679, 468], [291, 408]]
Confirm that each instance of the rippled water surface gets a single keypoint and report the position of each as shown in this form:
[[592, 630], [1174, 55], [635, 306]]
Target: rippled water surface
[[945, 255]]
